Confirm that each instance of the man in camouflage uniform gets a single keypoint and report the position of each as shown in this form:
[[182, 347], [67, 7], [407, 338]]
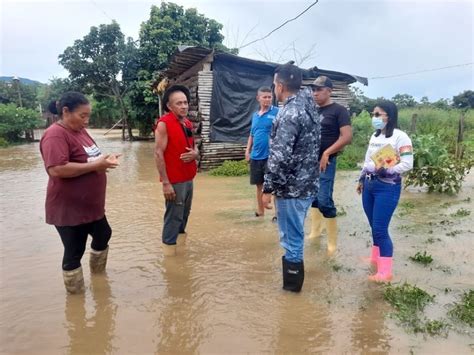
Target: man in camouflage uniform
[[293, 174]]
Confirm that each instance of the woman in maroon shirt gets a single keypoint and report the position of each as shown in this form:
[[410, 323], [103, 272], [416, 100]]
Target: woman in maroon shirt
[[75, 198]]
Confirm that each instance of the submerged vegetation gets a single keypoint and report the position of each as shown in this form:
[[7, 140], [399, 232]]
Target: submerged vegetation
[[463, 311], [420, 258]]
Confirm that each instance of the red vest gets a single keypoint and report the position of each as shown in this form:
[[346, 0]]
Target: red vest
[[177, 170]]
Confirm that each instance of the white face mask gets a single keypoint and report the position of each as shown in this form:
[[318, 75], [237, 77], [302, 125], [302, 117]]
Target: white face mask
[[378, 123]]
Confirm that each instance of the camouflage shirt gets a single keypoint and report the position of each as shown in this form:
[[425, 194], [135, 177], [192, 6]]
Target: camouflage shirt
[[293, 163]]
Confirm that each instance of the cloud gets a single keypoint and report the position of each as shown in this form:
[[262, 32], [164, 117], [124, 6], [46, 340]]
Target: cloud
[[368, 38]]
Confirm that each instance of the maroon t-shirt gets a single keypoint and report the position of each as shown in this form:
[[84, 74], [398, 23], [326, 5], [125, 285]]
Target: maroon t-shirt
[[77, 200]]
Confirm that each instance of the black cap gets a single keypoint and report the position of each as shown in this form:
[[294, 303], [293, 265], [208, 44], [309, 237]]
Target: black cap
[[322, 82]]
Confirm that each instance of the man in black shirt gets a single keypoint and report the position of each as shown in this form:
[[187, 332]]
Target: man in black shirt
[[336, 133]]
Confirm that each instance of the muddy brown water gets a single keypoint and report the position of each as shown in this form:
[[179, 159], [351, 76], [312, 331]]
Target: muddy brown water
[[222, 294]]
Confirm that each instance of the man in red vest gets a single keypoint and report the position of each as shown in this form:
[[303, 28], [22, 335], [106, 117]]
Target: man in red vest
[[175, 157]]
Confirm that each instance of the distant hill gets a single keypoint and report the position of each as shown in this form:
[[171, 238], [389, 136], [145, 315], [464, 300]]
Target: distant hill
[[24, 81]]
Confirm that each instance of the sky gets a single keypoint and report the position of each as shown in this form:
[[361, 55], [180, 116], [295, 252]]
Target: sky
[[369, 38]]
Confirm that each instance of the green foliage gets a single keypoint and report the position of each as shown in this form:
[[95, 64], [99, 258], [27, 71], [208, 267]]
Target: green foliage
[[104, 113], [11, 92], [3, 143], [103, 64], [436, 327], [404, 101], [441, 123], [462, 212], [429, 151], [14, 121], [409, 302], [355, 152], [434, 163], [464, 310], [168, 26], [54, 89], [420, 258], [444, 178], [231, 168], [464, 99]]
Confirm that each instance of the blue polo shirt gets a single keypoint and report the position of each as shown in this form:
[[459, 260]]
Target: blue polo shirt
[[260, 132]]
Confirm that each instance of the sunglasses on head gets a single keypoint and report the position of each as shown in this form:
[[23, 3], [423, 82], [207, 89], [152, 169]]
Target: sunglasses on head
[[377, 114]]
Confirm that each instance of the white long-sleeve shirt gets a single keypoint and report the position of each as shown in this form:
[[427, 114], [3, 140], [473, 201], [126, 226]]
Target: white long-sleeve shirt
[[402, 145]]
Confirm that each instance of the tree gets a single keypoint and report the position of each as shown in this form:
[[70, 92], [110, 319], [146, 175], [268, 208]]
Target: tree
[[425, 101], [443, 104], [54, 90], [360, 102], [404, 100], [10, 92], [169, 25], [104, 65], [464, 99]]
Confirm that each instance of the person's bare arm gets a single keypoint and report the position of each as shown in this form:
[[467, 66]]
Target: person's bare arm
[[71, 169], [345, 138], [161, 142], [249, 148]]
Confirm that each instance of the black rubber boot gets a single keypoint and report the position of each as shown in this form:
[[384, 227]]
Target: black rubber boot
[[293, 275]]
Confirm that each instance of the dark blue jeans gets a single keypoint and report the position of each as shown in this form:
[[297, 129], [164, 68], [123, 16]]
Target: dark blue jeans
[[324, 201], [380, 200]]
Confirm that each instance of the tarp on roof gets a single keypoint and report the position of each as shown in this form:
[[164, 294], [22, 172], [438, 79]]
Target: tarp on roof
[[235, 85]]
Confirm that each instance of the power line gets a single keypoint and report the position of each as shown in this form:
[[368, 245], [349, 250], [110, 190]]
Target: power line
[[276, 29], [421, 71], [101, 10]]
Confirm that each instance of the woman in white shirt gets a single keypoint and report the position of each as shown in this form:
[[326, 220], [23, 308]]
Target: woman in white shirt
[[380, 187]]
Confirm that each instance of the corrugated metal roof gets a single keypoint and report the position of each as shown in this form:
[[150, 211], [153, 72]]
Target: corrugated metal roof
[[187, 56]]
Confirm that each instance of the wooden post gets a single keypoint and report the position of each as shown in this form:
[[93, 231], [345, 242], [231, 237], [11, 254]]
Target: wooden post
[[459, 147], [413, 123]]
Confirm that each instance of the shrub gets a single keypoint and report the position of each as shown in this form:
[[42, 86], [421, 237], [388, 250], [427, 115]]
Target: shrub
[[14, 121], [231, 168]]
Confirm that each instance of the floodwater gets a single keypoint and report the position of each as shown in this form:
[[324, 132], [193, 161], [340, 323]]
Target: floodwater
[[222, 293]]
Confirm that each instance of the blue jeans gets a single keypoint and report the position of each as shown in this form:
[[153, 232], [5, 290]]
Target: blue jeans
[[324, 199], [291, 213], [380, 200]]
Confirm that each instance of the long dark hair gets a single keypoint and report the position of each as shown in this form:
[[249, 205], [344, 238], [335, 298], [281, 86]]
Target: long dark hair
[[392, 112], [71, 100]]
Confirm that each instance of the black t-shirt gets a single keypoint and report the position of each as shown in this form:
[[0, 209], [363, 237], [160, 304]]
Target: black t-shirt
[[333, 117]]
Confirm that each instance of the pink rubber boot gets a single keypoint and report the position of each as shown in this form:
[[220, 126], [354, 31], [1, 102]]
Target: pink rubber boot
[[384, 270], [374, 256]]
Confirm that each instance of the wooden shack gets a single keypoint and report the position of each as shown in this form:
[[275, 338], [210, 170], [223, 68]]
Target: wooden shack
[[223, 89]]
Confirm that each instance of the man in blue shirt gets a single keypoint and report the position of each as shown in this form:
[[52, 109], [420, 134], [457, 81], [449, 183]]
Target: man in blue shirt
[[258, 143]]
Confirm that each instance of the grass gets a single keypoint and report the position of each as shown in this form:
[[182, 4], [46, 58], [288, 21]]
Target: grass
[[231, 168], [409, 302], [463, 311], [436, 327], [420, 258], [462, 212], [341, 212]]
